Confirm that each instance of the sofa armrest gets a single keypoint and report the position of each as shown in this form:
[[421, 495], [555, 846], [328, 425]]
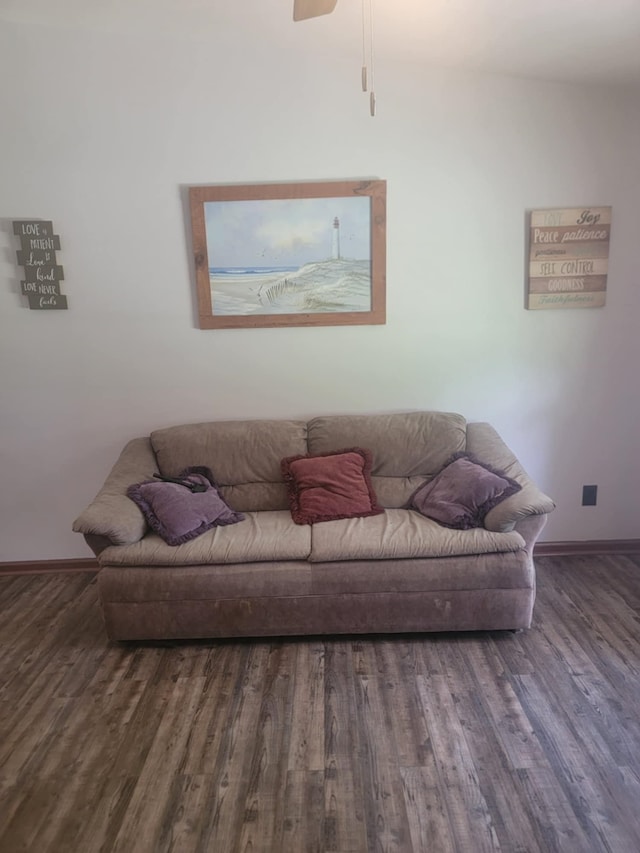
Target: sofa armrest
[[485, 443], [111, 514]]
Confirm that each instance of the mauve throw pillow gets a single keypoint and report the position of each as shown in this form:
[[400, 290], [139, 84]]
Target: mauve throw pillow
[[463, 493], [177, 514], [329, 486]]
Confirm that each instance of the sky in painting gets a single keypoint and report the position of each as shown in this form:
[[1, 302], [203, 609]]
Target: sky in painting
[[285, 232]]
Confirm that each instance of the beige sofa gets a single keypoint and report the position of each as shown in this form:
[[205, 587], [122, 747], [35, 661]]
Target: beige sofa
[[394, 572]]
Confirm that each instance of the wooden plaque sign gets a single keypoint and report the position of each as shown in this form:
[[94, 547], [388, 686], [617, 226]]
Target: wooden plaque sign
[[569, 257], [42, 275]]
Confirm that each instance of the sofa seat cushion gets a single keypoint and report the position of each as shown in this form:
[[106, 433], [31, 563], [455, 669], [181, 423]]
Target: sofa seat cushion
[[251, 581], [508, 570], [262, 536], [201, 583], [401, 534]]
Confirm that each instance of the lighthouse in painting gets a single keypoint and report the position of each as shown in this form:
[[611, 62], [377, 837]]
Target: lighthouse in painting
[[335, 246]]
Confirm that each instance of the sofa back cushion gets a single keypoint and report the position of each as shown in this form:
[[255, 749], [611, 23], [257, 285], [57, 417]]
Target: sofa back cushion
[[408, 449], [244, 457]]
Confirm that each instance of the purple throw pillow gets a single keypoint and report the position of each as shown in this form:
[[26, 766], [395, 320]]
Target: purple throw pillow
[[177, 514], [463, 492]]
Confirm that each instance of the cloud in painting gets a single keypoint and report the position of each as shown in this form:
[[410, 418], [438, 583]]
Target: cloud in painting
[[287, 236]]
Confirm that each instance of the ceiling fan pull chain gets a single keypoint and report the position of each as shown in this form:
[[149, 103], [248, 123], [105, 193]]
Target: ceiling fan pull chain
[[364, 50], [372, 96], [303, 9]]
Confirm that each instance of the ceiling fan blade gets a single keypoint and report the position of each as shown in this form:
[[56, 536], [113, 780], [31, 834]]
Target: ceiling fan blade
[[303, 9]]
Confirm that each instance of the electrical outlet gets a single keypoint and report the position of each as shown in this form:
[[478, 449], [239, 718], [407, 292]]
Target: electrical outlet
[[589, 495]]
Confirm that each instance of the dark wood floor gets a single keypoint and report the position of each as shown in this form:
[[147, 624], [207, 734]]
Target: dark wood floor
[[432, 743]]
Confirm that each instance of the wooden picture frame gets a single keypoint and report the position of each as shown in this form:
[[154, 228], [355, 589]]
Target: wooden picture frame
[[568, 257], [295, 254]]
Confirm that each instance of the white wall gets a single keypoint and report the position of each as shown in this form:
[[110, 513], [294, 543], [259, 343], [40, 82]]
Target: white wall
[[102, 131]]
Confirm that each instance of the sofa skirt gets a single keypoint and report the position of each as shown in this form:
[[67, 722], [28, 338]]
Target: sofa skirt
[[375, 613]]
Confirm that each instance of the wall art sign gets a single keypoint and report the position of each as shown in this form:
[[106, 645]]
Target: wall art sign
[[42, 275], [569, 257], [299, 254]]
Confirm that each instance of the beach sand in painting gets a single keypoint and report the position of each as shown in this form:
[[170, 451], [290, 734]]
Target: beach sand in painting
[[240, 294], [327, 286]]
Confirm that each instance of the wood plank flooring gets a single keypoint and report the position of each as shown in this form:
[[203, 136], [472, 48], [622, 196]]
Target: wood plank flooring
[[428, 743]]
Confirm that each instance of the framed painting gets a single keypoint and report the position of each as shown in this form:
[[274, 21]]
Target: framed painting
[[298, 254]]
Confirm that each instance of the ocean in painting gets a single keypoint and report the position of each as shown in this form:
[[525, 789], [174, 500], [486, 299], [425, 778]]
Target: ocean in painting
[[337, 285]]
